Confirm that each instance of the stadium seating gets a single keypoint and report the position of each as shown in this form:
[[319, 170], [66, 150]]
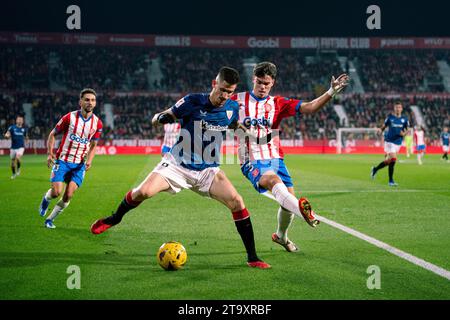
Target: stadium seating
[[50, 77]]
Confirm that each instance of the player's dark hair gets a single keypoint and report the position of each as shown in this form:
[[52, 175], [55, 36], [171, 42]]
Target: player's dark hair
[[87, 90], [230, 75], [398, 102], [265, 68]]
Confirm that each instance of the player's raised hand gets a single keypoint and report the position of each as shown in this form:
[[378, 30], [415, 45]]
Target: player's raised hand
[[337, 85], [50, 160]]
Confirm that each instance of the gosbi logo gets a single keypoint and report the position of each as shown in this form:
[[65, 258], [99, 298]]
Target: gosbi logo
[[253, 122], [76, 138]]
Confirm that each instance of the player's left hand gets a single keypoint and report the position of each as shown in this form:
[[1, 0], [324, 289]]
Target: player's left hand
[[337, 85], [87, 165]]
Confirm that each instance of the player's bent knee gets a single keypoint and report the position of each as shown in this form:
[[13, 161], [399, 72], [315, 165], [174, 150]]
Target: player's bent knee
[[236, 202], [143, 193]]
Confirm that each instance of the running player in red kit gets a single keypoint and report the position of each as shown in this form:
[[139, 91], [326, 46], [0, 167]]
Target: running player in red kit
[[261, 158], [81, 129]]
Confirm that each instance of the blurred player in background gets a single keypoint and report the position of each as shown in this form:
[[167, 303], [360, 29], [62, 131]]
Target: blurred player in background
[[419, 139], [185, 166], [261, 159], [398, 126], [171, 132], [81, 129], [409, 143], [445, 143], [19, 136]]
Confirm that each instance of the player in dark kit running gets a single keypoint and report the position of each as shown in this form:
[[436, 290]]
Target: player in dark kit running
[[18, 134], [202, 116], [398, 126]]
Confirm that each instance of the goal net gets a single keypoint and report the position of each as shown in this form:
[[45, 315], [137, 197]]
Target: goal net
[[349, 140]]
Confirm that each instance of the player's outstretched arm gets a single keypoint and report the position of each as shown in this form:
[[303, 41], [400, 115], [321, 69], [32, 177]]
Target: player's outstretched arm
[[164, 117], [50, 147], [336, 86]]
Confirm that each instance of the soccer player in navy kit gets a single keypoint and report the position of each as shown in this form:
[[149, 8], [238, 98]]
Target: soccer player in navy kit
[[193, 162], [445, 143], [398, 126], [18, 134]]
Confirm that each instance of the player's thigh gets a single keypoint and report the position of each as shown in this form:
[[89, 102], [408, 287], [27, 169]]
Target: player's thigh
[[12, 155], [19, 153], [224, 191], [269, 179], [152, 184], [57, 188], [70, 190]]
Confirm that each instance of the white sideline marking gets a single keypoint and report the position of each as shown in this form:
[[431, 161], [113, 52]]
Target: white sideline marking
[[399, 253], [377, 191]]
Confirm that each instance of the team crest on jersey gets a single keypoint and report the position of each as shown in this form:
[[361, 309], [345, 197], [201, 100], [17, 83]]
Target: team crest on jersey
[[179, 102], [92, 131], [267, 107], [229, 114]]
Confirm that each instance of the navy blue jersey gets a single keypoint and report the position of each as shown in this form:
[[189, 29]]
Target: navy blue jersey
[[203, 127], [18, 135], [395, 125], [445, 137]]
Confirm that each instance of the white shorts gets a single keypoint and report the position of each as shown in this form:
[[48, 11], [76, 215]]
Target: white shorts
[[391, 147], [445, 148], [179, 177], [14, 153]]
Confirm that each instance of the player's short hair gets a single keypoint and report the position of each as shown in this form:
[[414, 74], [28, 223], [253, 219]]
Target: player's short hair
[[398, 102], [230, 75], [265, 68], [87, 90]]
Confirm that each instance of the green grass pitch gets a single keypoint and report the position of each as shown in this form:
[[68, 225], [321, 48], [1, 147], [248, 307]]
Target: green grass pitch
[[121, 263]]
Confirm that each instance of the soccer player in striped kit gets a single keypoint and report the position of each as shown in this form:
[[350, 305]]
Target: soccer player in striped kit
[[262, 158], [419, 138], [81, 129]]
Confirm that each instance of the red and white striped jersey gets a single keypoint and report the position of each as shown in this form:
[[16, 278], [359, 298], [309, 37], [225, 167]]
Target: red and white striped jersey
[[77, 135], [171, 132], [261, 117], [419, 137]]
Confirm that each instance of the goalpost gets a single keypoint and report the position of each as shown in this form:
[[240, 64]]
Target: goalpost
[[343, 131]]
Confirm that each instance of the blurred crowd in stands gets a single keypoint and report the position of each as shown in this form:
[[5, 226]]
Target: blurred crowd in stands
[[152, 79]]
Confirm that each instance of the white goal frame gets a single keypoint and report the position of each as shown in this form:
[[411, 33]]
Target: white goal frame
[[349, 130]]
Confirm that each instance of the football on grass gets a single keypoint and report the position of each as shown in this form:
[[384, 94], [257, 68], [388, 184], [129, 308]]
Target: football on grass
[[171, 256]]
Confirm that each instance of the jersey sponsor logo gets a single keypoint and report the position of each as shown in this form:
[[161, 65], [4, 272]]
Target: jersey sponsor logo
[[254, 122], [76, 138], [206, 126]]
